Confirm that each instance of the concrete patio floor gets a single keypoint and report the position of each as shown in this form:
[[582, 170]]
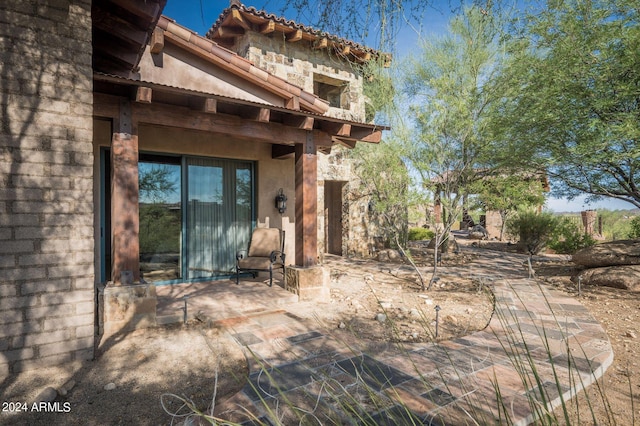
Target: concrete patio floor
[[540, 346]]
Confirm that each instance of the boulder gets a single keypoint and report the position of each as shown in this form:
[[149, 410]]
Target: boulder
[[478, 233], [389, 255], [626, 277], [614, 253]]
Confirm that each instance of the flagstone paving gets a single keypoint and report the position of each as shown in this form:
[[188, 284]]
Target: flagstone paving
[[539, 347]]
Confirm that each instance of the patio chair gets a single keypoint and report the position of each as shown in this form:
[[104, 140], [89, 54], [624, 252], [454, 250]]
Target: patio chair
[[266, 252]]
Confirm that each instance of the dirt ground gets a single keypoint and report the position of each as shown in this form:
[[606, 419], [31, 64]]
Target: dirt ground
[[377, 301]]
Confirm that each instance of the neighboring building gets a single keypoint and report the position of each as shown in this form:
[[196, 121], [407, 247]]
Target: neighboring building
[[130, 144]]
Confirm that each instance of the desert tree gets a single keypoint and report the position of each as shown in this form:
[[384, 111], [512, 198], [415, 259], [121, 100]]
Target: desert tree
[[507, 193], [452, 86], [573, 105]]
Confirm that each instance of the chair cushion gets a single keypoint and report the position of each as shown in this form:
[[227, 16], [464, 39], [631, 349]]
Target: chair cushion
[[255, 263], [264, 241]]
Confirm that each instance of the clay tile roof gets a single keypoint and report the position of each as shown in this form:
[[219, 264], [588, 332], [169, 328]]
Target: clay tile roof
[[213, 52], [257, 17]]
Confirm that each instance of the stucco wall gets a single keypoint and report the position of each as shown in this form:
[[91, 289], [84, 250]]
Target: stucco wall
[[46, 208]]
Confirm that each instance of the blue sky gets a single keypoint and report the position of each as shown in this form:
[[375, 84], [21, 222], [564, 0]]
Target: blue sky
[[199, 15]]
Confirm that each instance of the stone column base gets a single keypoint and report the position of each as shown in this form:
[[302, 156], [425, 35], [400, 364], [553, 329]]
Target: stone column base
[[309, 283], [125, 308]]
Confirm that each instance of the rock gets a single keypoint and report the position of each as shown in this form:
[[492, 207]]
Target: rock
[[451, 319], [342, 325], [631, 335], [381, 317], [110, 386], [415, 313], [613, 253], [47, 395], [428, 302], [623, 277], [64, 389], [385, 305], [478, 232], [390, 255]]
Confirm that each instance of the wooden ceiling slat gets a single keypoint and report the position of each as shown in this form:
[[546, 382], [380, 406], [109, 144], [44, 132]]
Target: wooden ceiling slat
[[147, 9], [118, 28]]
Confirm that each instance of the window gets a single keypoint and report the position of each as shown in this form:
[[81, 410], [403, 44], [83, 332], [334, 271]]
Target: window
[[332, 90]]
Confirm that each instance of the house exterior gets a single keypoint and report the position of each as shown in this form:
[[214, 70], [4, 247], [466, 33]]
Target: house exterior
[[136, 152], [329, 67]]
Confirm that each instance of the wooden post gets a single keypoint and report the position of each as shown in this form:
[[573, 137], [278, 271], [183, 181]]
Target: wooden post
[[306, 202], [125, 222]]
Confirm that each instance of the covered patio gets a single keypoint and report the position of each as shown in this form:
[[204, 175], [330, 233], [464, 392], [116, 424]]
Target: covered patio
[[183, 100]]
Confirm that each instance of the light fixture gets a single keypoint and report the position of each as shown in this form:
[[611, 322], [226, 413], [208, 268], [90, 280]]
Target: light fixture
[[281, 201]]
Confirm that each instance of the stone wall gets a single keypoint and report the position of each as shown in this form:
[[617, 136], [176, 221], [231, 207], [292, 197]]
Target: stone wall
[[298, 62], [47, 296]]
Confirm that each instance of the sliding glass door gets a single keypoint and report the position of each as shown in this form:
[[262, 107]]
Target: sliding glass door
[[219, 215], [195, 213], [160, 217]]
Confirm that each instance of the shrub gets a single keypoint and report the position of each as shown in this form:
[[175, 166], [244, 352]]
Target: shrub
[[418, 234], [569, 237], [533, 230], [635, 227]]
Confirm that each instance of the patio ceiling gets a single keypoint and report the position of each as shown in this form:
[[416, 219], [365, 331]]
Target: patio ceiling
[[121, 30]]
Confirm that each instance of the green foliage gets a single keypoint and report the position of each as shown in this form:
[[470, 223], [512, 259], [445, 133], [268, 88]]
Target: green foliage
[[570, 237], [506, 193], [384, 179], [533, 230], [159, 229], [573, 103], [635, 227], [420, 234]]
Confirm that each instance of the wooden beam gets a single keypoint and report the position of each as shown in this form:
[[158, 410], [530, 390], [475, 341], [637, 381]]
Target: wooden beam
[[293, 103], [295, 35], [301, 122], [143, 9], [336, 129], [306, 202], [267, 27], [210, 106], [366, 135], [345, 142], [106, 106], [117, 27], [346, 50], [144, 94], [264, 114], [229, 32], [157, 41], [125, 224], [237, 17], [321, 43], [281, 152]]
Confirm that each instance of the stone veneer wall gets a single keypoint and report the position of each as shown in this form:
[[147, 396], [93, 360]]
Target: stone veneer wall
[[47, 296], [297, 62]]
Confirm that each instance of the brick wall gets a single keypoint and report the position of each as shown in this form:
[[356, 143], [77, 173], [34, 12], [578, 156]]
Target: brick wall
[[46, 206]]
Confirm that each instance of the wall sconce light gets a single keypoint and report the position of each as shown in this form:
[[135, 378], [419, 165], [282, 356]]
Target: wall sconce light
[[281, 201]]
